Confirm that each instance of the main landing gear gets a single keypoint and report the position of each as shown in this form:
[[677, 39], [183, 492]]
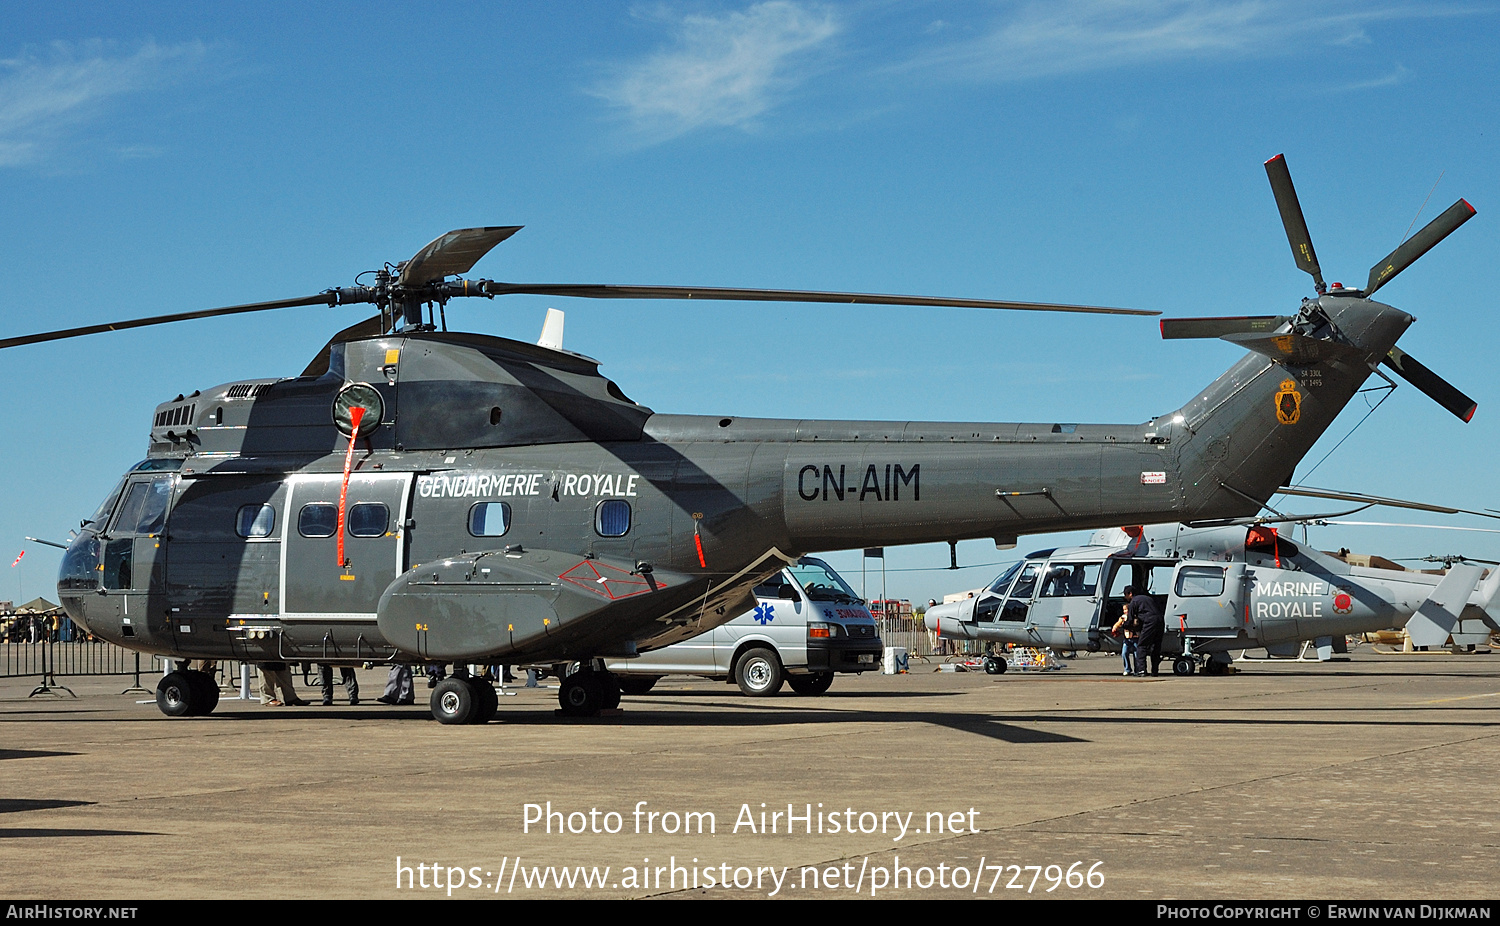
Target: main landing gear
[[587, 691], [464, 700]]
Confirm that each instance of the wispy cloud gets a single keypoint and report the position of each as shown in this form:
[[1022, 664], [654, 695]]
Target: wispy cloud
[[46, 96], [1029, 40], [726, 70]]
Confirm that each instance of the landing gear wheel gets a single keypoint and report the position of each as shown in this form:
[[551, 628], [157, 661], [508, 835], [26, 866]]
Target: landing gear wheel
[[454, 701], [486, 701], [581, 695], [995, 665], [1184, 665], [814, 684], [637, 684], [176, 695], [609, 683], [205, 692], [759, 673]]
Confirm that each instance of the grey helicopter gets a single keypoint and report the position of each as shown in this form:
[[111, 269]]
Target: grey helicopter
[[417, 494], [1220, 588]]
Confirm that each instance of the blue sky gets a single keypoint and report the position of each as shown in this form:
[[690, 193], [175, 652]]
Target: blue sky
[[167, 157]]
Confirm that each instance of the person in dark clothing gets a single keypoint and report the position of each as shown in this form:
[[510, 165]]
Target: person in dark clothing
[[1143, 610]]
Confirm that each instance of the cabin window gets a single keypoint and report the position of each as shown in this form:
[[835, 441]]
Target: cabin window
[[255, 521], [1200, 581], [612, 518], [489, 519], [1076, 581], [318, 520], [369, 519]]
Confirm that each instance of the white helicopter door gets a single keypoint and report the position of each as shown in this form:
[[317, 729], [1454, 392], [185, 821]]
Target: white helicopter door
[[1207, 599]]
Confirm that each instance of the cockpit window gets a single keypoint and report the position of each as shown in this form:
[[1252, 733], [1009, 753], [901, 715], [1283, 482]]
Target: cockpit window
[[821, 583], [1025, 586], [1078, 580], [145, 507], [102, 514], [1000, 585]]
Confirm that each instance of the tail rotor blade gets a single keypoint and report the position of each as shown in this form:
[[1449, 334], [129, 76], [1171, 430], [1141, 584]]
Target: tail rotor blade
[[1434, 386], [1418, 244], [1291, 218]]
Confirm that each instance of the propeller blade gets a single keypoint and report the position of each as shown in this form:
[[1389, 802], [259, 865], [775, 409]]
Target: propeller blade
[[329, 298], [598, 291], [1291, 219], [1434, 386], [1174, 328], [1417, 245], [453, 253]]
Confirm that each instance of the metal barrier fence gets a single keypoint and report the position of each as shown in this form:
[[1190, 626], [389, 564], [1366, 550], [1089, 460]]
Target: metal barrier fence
[[47, 660]]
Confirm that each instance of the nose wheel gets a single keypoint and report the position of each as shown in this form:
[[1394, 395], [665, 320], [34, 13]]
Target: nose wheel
[[187, 693]]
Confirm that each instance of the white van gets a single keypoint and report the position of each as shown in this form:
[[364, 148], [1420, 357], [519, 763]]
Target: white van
[[807, 624]]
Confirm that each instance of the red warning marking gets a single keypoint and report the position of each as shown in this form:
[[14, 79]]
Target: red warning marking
[[606, 581]]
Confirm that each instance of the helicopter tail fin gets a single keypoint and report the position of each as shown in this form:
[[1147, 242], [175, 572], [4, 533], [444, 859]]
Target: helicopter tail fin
[[1489, 596], [552, 330], [1437, 617]]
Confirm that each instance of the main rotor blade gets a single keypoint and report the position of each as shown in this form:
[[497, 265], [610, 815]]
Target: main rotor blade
[[1377, 500], [320, 299], [1417, 245], [453, 253], [1175, 328], [1291, 219], [596, 291], [1436, 388]]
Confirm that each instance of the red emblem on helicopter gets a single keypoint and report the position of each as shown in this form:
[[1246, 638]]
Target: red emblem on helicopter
[[1342, 603]]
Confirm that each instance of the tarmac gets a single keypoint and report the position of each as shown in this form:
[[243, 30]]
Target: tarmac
[[1365, 779]]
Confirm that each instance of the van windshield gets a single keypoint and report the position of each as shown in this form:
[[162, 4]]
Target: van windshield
[[821, 583]]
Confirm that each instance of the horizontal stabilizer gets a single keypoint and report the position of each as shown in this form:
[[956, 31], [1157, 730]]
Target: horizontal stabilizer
[[1296, 349], [1438, 615], [1174, 328]]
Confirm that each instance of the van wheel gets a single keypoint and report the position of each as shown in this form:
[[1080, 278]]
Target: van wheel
[[638, 684], [814, 684], [759, 673]]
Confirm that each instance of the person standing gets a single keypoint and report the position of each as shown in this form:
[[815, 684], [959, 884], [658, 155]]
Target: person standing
[[398, 688], [346, 675], [1141, 607], [1130, 643]]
